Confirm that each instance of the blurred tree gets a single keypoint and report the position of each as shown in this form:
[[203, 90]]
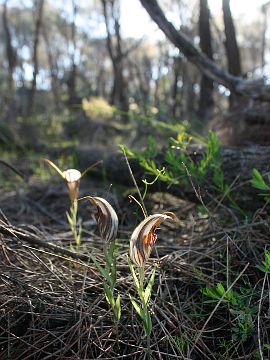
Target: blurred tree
[[237, 84], [177, 64], [10, 49], [206, 101], [54, 71], [38, 11], [111, 11], [71, 81], [265, 8], [232, 50], [82, 51]]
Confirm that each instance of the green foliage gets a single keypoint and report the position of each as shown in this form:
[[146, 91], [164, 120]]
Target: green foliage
[[219, 292], [212, 160], [176, 155], [259, 183], [265, 266], [178, 164], [179, 343], [144, 294], [239, 306], [108, 273]]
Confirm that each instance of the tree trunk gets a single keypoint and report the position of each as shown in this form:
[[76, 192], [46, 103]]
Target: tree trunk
[[232, 50], [119, 93], [10, 51], [176, 75], [264, 13], [119, 90], [53, 70], [231, 46], [72, 79], [206, 101], [71, 84], [38, 24]]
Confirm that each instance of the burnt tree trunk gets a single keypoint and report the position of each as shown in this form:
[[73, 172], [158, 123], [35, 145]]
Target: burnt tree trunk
[[231, 46], [206, 101], [232, 50]]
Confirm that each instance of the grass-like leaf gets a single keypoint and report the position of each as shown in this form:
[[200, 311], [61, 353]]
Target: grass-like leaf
[[148, 290], [103, 271], [136, 306], [117, 308]]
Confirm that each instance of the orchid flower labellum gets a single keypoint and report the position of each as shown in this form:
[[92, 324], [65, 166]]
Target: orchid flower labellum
[[144, 238], [72, 177], [106, 218]]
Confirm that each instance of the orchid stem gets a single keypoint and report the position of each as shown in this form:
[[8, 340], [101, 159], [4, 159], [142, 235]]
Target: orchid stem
[[72, 220], [141, 276]]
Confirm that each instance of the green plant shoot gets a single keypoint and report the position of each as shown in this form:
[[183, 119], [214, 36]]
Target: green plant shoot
[[144, 295], [108, 273]]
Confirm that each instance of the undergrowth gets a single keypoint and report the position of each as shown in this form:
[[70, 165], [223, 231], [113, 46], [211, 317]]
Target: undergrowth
[[177, 164], [207, 296]]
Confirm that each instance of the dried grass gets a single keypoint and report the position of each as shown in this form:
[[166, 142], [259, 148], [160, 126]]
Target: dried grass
[[53, 306]]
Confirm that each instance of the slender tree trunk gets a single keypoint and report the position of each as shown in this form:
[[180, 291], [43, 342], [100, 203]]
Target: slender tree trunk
[[264, 13], [232, 50], [10, 51], [231, 46], [119, 90], [119, 94], [72, 79], [176, 76], [38, 24], [206, 101], [157, 86], [53, 70], [142, 76], [101, 83], [71, 83]]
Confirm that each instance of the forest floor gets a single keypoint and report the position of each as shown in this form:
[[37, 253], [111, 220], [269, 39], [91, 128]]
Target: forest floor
[[209, 300]]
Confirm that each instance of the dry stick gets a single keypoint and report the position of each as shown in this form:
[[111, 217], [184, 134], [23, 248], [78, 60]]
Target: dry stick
[[217, 305], [134, 181], [18, 172], [34, 240]]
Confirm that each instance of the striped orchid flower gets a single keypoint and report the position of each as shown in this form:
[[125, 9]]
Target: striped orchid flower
[[72, 177], [144, 238], [106, 218]]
